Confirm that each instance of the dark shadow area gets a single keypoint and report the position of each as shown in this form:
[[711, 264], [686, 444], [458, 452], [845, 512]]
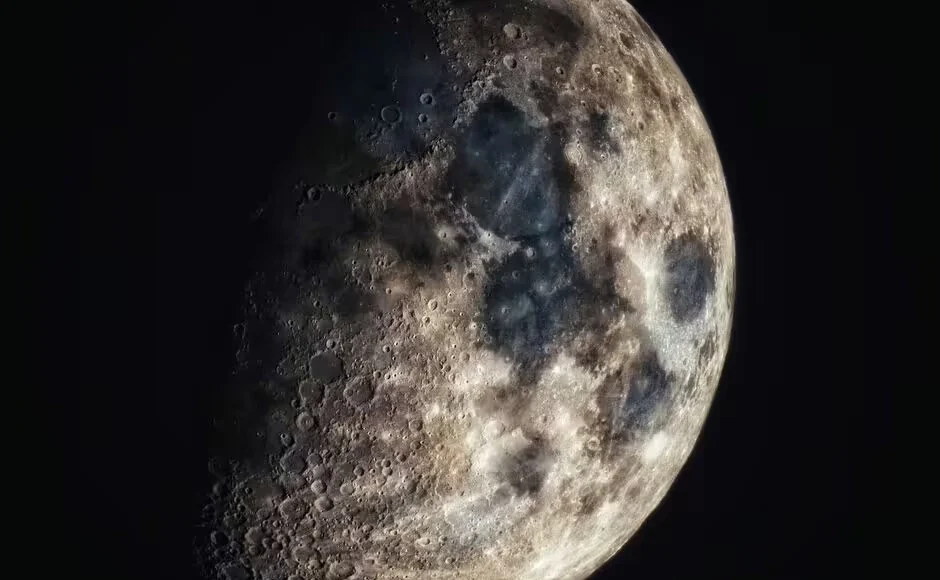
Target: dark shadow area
[[185, 115]]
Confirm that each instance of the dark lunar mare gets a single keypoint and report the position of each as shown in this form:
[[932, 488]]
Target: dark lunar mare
[[599, 137], [690, 276], [525, 470], [650, 387], [511, 175], [513, 178], [502, 176]]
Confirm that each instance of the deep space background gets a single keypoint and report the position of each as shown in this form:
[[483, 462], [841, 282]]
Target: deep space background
[[177, 114]]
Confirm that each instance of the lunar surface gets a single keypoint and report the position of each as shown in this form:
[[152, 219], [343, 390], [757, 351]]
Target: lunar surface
[[490, 306]]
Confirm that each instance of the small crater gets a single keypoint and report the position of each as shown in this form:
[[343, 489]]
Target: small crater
[[293, 460], [304, 554], [422, 118], [292, 509], [323, 504], [305, 421], [427, 99], [512, 31], [314, 194], [320, 472], [390, 114], [510, 61]]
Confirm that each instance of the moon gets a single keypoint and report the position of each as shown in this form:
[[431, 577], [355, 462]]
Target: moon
[[490, 303]]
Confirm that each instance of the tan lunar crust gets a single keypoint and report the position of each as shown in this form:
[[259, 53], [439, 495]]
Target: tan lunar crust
[[410, 443]]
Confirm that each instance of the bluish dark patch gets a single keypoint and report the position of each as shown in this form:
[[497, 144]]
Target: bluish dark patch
[[507, 173], [512, 176], [649, 386], [598, 132], [690, 277], [525, 470], [546, 96], [529, 300]]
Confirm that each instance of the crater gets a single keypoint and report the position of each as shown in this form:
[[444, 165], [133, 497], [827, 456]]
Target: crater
[[325, 367]]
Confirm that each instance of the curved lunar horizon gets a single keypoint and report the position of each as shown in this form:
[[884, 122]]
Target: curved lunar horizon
[[490, 310]]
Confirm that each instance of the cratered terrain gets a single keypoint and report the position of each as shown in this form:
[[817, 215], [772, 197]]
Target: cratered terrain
[[490, 309]]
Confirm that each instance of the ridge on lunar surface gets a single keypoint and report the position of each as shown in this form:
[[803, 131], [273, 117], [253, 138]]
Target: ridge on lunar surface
[[491, 307]]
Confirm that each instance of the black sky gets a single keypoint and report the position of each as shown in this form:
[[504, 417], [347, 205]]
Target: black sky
[[176, 110]]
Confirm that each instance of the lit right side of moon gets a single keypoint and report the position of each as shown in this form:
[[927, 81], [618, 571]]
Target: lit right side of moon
[[487, 333]]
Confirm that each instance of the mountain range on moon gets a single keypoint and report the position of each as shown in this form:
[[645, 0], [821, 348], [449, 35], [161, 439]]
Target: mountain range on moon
[[490, 303]]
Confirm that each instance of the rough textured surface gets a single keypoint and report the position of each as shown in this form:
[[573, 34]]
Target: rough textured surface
[[492, 309]]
